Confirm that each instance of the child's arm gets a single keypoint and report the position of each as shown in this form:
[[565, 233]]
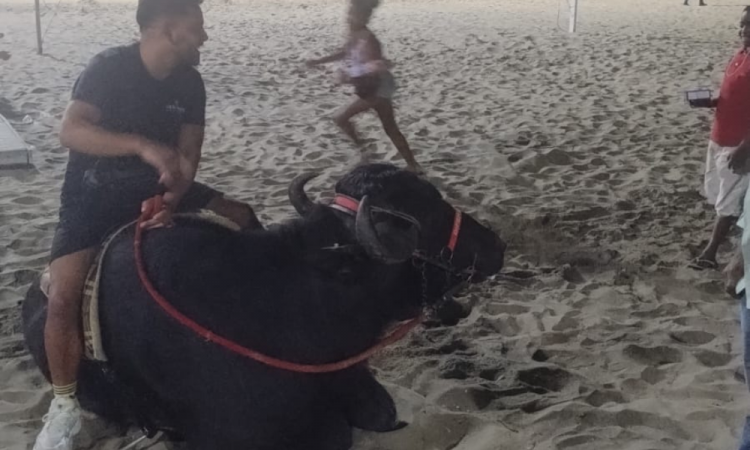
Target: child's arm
[[327, 59], [373, 49], [373, 54]]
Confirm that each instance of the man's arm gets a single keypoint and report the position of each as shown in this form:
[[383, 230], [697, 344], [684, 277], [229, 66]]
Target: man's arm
[[190, 146], [734, 272], [739, 157], [373, 53], [80, 131]]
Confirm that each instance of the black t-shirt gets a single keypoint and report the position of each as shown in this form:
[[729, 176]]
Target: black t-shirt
[[132, 101]]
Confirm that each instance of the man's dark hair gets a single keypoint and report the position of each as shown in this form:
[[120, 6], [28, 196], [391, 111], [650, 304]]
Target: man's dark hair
[[149, 11]]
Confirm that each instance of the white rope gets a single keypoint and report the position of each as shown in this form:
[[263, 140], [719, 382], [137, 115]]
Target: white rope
[[133, 444]]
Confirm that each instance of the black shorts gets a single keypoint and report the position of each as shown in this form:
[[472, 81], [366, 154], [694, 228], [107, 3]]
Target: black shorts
[[91, 212], [368, 87]]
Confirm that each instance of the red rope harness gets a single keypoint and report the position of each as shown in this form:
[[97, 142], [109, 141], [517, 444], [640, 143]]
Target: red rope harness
[[151, 207]]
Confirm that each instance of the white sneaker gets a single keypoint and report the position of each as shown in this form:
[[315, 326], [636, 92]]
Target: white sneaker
[[61, 424]]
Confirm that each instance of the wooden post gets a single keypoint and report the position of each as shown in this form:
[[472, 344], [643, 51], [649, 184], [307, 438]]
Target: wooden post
[[38, 27]]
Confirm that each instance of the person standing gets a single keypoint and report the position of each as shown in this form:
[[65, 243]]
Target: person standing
[[729, 147], [135, 129]]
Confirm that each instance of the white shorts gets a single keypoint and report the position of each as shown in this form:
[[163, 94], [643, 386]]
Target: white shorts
[[724, 189]]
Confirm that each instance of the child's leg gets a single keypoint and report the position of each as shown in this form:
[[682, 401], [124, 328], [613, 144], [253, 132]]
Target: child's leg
[[343, 119], [384, 108]]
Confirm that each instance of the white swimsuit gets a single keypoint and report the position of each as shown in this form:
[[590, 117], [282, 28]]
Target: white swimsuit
[[355, 64], [356, 67]]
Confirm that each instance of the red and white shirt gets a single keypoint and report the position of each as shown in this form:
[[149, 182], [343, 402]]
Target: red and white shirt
[[732, 120]]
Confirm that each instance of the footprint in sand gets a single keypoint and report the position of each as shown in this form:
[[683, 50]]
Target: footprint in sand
[[652, 375], [713, 359], [576, 441], [653, 356], [499, 308], [599, 398], [554, 338], [456, 369], [692, 337], [465, 399], [27, 200], [552, 379]]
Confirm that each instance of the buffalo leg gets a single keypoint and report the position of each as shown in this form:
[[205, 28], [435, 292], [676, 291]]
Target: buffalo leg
[[365, 402], [330, 432]]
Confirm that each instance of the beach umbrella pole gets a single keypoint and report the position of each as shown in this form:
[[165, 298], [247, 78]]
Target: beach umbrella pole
[[573, 15], [38, 27]]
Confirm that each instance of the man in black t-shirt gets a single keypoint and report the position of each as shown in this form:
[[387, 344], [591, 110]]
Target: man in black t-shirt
[[134, 129]]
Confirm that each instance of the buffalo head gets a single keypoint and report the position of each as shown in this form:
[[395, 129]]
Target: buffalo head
[[476, 250]]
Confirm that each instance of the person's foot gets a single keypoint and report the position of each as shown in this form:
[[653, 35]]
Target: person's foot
[[61, 424], [701, 263], [365, 156], [416, 168]]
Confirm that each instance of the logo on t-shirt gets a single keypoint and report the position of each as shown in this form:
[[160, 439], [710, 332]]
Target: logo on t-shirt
[[175, 108]]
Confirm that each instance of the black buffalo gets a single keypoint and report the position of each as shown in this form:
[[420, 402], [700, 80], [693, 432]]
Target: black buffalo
[[315, 290]]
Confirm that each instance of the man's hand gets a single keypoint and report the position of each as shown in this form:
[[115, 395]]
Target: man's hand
[[162, 219], [165, 160], [739, 157], [160, 215], [174, 194], [176, 174], [733, 273]]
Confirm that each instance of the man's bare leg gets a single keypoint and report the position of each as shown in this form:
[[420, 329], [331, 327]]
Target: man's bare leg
[[62, 340], [722, 226]]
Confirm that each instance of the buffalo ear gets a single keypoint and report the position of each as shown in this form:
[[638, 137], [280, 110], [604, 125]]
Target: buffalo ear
[[386, 235]]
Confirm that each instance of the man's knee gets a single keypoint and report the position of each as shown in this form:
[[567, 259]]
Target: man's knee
[[64, 304], [67, 278]]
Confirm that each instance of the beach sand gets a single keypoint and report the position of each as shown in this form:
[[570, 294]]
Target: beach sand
[[579, 149]]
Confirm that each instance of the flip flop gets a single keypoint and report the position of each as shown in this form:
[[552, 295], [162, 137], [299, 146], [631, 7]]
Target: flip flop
[[703, 264]]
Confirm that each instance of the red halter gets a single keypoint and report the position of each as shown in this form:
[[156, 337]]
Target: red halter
[[154, 205], [348, 204]]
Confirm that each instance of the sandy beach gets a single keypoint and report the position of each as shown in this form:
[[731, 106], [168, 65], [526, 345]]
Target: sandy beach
[[579, 149]]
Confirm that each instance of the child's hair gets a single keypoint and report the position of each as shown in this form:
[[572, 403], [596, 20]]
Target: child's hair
[[365, 6]]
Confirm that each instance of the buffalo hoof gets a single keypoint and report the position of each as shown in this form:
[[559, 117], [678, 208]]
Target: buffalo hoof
[[398, 426]]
